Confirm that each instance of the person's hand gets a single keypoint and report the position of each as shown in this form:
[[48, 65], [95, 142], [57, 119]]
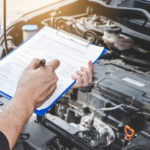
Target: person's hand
[[37, 83], [84, 76]]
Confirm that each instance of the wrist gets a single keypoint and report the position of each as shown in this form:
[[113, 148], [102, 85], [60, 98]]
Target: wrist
[[22, 106], [24, 101], [15, 116]]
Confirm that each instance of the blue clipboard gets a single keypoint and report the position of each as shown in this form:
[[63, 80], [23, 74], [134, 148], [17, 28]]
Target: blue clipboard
[[43, 111]]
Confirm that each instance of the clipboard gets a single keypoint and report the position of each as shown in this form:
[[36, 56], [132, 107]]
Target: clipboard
[[73, 38], [69, 37]]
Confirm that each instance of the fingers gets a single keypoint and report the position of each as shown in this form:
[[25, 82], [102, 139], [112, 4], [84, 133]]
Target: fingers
[[90, 66], [53, 64], [88, 75], [48, 94], [50, 91], [34, 63], [84, 76], [89, 71], [78, 83], [81, 78]]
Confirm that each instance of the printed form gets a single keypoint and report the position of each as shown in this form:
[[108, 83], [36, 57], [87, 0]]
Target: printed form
[[48, 44]]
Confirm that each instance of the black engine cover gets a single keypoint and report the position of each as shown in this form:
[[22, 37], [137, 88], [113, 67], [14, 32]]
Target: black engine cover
[[141, 142], [123, 84]]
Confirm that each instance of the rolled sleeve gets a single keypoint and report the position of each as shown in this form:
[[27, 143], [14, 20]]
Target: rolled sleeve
[[4, 145]]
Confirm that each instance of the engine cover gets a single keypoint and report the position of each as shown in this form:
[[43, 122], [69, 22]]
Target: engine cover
[[142, 142], [123, 84]]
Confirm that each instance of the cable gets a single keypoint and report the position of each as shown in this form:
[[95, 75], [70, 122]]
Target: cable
[[111, 108], [144, 113], [4, 27]]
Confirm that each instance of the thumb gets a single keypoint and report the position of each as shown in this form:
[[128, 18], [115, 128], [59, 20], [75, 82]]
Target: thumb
[[34, 63], [90, 65], [53, 64]]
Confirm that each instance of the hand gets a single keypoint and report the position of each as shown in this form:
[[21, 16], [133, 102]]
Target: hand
[[84, 76], [34, 87], [37, 83]]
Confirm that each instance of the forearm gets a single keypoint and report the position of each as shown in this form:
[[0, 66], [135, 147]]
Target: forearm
[[13, 118], [35, 86]]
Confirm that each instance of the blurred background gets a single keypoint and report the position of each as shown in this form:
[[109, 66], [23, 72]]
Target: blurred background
[[16, 8]]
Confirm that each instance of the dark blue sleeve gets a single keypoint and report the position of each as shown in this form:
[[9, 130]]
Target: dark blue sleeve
[[4, 145]]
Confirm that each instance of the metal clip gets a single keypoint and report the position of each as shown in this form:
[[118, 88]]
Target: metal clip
[[73, 38]]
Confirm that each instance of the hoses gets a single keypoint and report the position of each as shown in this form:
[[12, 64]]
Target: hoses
[[91, 36], [111, 108]]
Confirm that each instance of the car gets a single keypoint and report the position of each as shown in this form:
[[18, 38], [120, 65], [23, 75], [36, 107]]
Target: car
[[113, 112]]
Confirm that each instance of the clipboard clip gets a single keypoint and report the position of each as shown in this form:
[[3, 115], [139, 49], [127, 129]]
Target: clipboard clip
[[73, 38]]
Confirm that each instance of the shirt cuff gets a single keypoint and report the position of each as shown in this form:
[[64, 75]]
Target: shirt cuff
[[3, 142]]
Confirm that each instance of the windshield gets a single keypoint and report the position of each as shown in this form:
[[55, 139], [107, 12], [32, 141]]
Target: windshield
[[143, 4]]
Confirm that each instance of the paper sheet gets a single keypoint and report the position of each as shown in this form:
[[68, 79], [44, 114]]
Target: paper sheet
[[47, 44]]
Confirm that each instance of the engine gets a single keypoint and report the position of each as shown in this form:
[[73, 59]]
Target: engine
[[113, 112]]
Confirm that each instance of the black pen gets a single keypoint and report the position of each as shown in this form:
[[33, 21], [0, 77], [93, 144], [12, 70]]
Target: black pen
[[42, 63]]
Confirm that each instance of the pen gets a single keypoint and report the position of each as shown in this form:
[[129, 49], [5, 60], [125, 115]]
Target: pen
[[42, 62]]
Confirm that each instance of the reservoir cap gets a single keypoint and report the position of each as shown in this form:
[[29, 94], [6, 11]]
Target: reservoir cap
[[30, 27]]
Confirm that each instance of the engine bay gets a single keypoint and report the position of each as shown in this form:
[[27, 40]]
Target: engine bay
[[113, 112]]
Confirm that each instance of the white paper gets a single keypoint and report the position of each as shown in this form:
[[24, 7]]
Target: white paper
[[47, 44]]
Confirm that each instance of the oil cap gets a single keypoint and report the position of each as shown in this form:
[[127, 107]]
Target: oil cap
[[112, 29]]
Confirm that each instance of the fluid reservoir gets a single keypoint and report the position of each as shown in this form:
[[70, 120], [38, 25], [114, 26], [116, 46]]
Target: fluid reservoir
[[28, 31], [111, 34]]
